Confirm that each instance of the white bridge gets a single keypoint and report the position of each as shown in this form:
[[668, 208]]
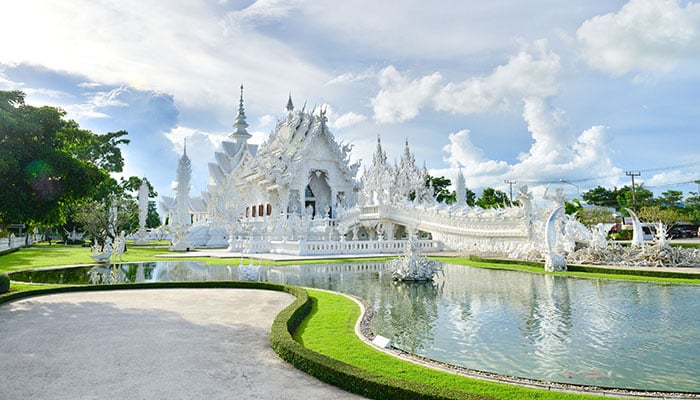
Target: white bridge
[[460, 228]]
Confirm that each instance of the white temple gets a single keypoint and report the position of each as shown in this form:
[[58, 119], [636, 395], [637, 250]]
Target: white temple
[[297, 193]]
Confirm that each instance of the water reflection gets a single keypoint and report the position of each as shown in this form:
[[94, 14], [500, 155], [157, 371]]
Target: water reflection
[[596, 332], [407, 314]]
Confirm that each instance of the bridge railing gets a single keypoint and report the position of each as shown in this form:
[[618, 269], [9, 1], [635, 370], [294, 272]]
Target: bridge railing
[[360, 247]]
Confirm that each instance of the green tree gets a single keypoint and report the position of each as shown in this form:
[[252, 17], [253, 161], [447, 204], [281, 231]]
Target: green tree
[[594, 216], [572, 207], [152, 218], [669, 216], [600, 196], [470, 197], [670, 198], [441, 186], [48, 163], [492, 198], [644, 197], [104, 219], [691, 210]]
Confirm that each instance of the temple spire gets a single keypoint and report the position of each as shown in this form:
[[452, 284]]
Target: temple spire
[[290, 105], [240, 132]]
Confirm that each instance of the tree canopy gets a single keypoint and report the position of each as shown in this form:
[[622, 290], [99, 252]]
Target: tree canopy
[[48, 163]]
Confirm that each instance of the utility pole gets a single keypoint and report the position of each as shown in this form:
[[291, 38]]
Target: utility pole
[[634, 197], [698, 182], [510, 183]]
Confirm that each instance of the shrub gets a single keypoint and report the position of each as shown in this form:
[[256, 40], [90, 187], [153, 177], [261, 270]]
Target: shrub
[[4, 283]]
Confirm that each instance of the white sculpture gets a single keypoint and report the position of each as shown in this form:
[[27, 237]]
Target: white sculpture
[[74, 236], [119, 246], [553, 261], [101, 254], [412, 265], [637, 232], [180, 219], [143, 213]]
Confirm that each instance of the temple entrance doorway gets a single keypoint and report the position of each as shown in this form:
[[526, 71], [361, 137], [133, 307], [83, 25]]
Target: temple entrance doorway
[[317, 199]]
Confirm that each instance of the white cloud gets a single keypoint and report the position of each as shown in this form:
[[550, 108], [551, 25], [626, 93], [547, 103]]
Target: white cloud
[[644, 36], [263, 11], [667, 179], [546, 125], [533, 72], [552, 157], [401, 98], [191, 50], [348, 120], [350, 77]]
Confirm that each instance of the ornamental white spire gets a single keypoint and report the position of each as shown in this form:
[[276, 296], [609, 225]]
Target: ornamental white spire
[[240, 133], [461, 189]]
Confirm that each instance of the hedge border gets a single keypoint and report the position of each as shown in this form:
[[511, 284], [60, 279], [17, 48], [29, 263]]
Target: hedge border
[[660, 273], [12, 296]]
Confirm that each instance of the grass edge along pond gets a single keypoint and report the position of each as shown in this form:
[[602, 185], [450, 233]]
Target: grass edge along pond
[[329, 330]]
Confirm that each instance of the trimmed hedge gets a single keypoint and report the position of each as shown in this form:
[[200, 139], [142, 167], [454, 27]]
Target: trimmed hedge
[[660, 273], [293, 290], [502, 261], [656, 273], [340, 374], [4, 283], [8, 251]]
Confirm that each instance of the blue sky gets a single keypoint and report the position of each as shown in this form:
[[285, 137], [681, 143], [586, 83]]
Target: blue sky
[[537, 92]]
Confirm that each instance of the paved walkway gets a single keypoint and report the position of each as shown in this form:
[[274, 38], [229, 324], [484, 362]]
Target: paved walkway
[[149, 344]]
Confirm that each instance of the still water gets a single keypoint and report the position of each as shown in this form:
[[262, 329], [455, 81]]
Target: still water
[[585, 331]]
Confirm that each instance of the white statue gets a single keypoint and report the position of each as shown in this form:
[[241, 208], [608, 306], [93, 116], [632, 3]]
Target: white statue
[[552, 260], [413, 266], [143, 213]]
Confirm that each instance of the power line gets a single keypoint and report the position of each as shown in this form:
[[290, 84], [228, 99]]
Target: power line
[[601, 177]]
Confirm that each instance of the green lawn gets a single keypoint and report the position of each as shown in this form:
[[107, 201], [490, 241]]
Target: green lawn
[[55, 255]]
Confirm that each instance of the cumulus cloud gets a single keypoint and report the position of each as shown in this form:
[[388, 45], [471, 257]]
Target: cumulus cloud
[[644, 36], [400, 98], [262, 11], [347, 120], [190, 50], [553, 156], [666, 178], [533, 72]]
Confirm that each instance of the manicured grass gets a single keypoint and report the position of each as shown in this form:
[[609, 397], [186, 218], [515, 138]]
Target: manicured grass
[[55, 255], [630, 275], [329, 330]]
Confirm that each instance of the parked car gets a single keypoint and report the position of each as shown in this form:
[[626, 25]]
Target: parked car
[[683, 232]]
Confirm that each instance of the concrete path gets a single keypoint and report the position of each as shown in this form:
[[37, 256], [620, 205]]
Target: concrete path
[[149, 344]]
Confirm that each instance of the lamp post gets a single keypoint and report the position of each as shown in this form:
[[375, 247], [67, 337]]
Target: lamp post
[[578, 191]]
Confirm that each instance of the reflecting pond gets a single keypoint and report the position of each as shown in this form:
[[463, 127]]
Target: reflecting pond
[[596, 332]]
